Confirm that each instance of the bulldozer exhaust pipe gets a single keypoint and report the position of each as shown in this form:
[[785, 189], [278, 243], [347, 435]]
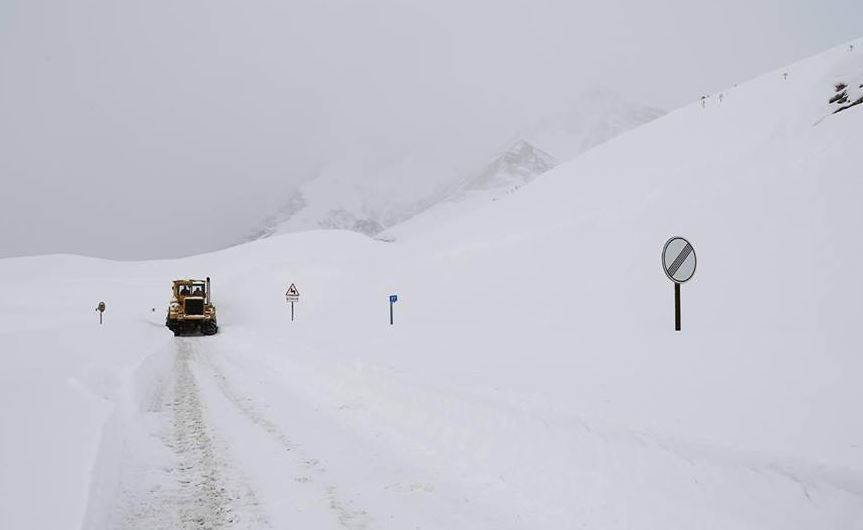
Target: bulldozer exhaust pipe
[[209, 293]]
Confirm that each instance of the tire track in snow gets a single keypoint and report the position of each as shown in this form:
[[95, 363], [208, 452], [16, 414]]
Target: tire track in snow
[[197, 487], [205, 503], [348, 515]]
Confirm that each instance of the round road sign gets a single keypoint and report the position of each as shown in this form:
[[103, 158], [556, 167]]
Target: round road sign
[[678, 260]]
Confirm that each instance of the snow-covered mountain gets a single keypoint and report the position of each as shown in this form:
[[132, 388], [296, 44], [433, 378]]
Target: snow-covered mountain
[[532, 378], [370, 199], [596, 117], [517, 166]]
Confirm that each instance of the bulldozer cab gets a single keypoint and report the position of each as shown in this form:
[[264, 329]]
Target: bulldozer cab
[[186, 288]]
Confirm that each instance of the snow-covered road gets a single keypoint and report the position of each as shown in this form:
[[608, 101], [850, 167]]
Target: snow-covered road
[[181, 449], [225, 432], [171, 468]]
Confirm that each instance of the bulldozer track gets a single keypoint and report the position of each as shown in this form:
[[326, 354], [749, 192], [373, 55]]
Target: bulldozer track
[[196, 486]]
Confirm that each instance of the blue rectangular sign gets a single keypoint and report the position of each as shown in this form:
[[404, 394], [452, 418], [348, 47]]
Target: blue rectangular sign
[[394, 298]]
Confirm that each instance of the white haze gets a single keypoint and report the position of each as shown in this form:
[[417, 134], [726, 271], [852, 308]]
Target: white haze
[[164, 128]]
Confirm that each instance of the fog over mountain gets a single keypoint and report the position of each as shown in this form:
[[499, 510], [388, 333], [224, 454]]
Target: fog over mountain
[[164, 128], [370, 199]]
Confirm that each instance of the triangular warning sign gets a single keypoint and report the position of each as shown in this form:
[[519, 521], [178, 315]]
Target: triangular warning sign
[[292, 291]]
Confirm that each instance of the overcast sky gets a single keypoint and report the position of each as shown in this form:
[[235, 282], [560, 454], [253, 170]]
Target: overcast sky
[[159, 128]]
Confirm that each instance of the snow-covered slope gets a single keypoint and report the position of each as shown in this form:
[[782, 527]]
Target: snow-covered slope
[[598, 116], [517, 166], [532, 379], [367, 197]]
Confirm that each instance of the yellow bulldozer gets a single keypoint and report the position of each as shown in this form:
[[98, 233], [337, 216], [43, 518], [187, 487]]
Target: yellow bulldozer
[[191, 311]]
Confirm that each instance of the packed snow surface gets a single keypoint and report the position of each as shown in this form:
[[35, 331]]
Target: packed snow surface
[[532, 379]]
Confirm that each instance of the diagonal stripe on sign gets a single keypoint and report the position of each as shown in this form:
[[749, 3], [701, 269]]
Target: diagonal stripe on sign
[[678, 261]]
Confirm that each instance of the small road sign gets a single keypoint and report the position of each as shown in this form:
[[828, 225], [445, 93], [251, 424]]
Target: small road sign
[[101, 309], [292, 295], [393, 299], [678, 262]]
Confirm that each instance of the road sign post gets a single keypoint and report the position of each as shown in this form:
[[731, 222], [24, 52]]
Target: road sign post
[[393, 299], [678, 262], [291, 296], [101, 309]]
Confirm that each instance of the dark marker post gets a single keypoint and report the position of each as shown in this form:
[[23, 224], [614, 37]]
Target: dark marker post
[[393, 299]]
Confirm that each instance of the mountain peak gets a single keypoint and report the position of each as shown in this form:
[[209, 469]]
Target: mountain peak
[[524, 156], [519, 164]]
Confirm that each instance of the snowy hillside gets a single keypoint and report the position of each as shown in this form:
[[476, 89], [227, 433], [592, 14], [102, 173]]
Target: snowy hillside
[[367, 197], [517, 166], [532, 379], [598, 116]]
